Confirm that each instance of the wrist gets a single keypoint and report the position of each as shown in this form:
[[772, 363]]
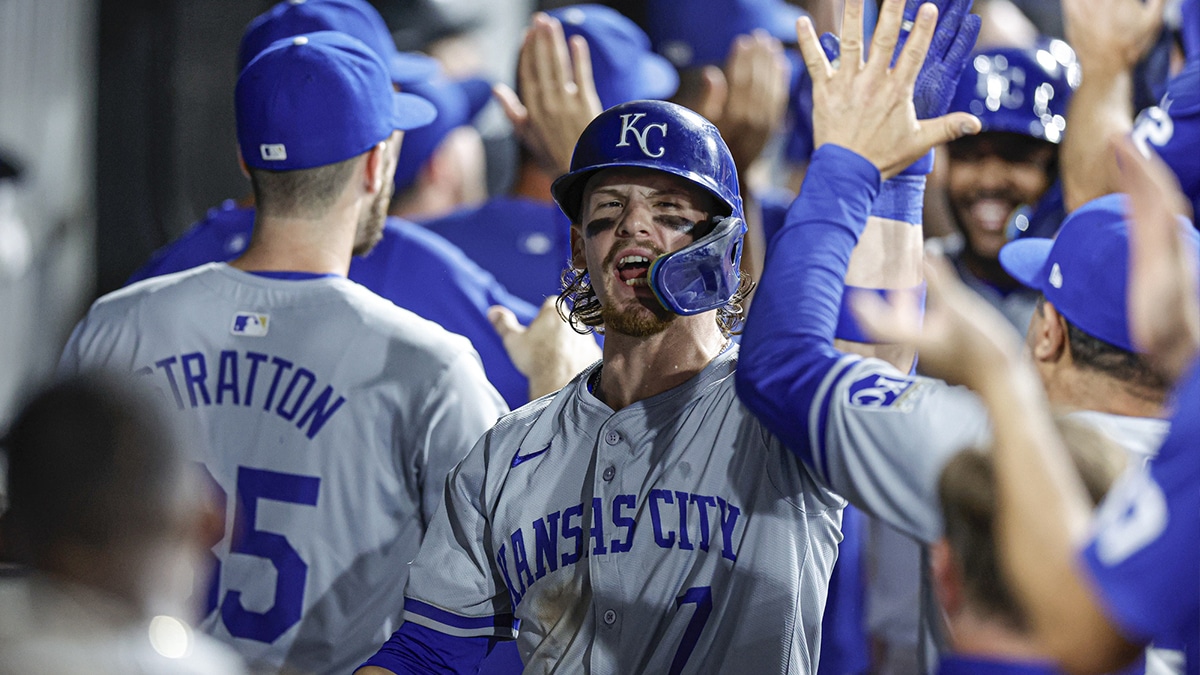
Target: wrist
[[900, 198]]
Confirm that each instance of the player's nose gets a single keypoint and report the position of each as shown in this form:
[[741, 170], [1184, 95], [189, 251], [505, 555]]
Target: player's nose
[[636, 219]]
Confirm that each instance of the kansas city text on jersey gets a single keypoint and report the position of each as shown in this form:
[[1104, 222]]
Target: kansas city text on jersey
[[680, 520], [247, 378]]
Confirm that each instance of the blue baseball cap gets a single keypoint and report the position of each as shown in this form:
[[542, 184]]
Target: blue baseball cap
[[317, 99], [356, 18], [457, 103], [700, 32], [1084, 270], [623, 64]]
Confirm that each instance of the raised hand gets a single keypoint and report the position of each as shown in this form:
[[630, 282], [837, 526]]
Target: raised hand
[[1164, 300], [1111, 36], [961, 339], [867, 106], [557, 93], [748, 99]]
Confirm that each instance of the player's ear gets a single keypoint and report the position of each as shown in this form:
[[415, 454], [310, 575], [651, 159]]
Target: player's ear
[[578, 260], [374, 168], [947, 577], [1048, 334]]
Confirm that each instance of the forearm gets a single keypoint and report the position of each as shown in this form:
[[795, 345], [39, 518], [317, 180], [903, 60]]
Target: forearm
[[888, 255], [787, 347], [1042, 517], [1101, 108]]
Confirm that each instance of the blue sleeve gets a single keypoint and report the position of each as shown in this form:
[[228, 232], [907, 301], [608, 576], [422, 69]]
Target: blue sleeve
[[787, 348], [1144, 553], [419, 650]]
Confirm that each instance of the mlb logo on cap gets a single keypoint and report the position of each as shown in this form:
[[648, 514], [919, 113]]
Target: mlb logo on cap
[[273, 153], [1083, 271]]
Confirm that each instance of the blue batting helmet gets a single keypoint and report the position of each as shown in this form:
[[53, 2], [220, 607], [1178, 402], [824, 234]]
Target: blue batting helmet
[[1022, 91], [667, 137]]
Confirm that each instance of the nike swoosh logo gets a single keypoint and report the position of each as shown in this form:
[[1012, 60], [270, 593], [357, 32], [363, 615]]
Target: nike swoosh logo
[[519, 458]]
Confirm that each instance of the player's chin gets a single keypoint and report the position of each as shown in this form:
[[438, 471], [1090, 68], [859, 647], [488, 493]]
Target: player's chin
[[637, 317]]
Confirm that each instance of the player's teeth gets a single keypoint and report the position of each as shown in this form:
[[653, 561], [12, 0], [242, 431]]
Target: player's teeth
[[631, 259]]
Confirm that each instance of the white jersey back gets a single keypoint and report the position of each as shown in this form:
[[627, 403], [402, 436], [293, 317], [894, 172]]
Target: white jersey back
[[331, 419], [674, 535]]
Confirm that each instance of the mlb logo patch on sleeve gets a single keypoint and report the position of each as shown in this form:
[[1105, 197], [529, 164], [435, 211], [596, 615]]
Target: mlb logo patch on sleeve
[[878, 391], [249, 324]]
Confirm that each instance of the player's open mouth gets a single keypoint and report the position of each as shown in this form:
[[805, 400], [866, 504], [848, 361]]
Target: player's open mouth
[[632, 269]]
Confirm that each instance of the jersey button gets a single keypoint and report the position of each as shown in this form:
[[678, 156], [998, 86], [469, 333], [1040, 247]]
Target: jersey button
[[609, 473], [610, 617], [612, 438]]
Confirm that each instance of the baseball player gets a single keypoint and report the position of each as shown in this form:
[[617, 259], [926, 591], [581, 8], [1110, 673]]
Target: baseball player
[[521, 237], [1096, 591], [113, 522], [1003, 184], [830, 405], [411, 266], [331, 416], [640, 520]]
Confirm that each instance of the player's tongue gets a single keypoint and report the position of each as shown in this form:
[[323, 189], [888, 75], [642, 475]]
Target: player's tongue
[[632, 269]]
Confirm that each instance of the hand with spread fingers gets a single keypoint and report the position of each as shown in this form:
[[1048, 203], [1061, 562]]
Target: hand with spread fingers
[[557, 93], [1164, 300], [867, 105]]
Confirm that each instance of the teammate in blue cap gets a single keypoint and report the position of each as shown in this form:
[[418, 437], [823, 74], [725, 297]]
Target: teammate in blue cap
[[442, 165], [830, 405], [410, 266], [329, 416], [1097, 586], [1003, 183], [521, 238], [640, 520]]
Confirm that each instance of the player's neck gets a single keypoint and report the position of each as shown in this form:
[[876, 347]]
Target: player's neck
[[637, 368], [298, 245], [980, 637], [1083, 389]]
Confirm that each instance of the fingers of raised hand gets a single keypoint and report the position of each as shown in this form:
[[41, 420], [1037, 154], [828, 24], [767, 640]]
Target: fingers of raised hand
[[852, 31], [887, 34], [912, 57], [819, 68]]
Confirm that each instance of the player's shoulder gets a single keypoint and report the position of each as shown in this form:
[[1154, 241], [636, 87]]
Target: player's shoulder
[[412, 336], [166, 288]]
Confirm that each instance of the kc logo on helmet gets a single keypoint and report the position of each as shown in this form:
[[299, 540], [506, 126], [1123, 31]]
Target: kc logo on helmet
[[627, 126]]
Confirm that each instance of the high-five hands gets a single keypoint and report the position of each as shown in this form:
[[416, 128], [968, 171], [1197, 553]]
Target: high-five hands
[[866, 106]]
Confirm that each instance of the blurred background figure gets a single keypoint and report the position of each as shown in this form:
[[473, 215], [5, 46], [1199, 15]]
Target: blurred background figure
[[521, 237], [112, 524], [1003, 183], [987, 631]]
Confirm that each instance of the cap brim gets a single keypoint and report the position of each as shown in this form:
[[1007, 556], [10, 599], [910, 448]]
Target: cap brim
[[412, 112], [1025, 259], [411, 67], [478, 93]]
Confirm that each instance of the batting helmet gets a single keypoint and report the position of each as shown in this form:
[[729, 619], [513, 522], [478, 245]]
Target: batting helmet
[[1022, 91], [667, 137]]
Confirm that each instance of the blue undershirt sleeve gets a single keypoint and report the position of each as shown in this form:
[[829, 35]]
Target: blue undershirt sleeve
[[787, 348], [419, 650]]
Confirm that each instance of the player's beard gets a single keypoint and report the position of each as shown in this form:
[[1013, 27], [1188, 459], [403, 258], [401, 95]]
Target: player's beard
[[370, 223], [635, 317]]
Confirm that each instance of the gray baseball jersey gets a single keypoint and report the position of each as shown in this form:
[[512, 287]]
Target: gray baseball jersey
[[674, 535], [331, 418]]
